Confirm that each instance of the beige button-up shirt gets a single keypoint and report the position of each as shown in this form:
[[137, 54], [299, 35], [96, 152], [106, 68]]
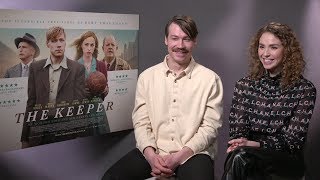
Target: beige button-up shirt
[[173, 111]]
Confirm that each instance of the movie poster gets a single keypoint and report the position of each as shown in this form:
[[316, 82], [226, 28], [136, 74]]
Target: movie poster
[[65, 75]]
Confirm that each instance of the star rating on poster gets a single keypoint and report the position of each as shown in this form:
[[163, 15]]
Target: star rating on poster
[[8, 85], [122, 76], [122, 90], [12, 101]]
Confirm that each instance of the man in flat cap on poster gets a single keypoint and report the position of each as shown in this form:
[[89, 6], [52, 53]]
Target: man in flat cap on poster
[[27, 51]]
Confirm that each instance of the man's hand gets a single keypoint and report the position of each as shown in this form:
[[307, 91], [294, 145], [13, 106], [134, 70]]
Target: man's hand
[[172, 161], [234, 143], [175, 159], [157, 163]]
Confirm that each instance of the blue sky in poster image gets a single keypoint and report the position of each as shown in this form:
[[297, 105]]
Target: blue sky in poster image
[[7, 37]]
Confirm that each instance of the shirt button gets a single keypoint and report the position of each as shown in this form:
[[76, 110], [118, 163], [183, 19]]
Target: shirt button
[[174, 100], [175, 81], [172, 139], [172, 120]]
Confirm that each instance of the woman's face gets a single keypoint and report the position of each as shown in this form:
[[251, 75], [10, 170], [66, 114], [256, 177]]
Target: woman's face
[[88, 46], [270, 51]]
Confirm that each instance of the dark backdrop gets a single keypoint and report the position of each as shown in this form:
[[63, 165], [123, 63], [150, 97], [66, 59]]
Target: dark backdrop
[[225, 29]]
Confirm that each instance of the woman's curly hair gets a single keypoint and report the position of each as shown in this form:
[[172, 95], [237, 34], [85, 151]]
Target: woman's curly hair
[[293, 61]]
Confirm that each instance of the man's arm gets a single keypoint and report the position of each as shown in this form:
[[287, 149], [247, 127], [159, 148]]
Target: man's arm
[[80, 83], [127, 66], [122, 64], [30, 104], [145, 138], [208, 129], [140, 116]]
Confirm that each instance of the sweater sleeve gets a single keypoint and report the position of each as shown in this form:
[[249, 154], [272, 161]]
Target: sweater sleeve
[[293, 135], [238, 121]]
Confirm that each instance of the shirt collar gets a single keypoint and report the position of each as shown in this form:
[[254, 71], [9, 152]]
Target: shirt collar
[[23, 65], [113, 60], [93, 62], [187, 71], [63, 63], [275, 78]]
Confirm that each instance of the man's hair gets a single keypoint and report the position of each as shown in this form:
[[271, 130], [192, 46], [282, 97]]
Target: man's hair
[[54, 32], [293, 61], [109, 37], [186, 24]]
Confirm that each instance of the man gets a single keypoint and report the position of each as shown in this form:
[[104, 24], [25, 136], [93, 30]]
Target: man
[[27, 51], [177, 113], [53, 80], [112, 62]]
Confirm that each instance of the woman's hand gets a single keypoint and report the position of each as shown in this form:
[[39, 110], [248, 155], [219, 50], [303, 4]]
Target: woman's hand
[[234, 143]]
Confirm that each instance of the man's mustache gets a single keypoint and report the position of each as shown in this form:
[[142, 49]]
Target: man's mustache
[[183, 50]]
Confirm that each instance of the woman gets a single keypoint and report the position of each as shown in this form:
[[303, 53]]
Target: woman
[[87, 52], [271, 109]]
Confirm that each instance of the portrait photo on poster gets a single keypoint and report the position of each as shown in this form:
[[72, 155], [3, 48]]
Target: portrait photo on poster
[[65, 75]]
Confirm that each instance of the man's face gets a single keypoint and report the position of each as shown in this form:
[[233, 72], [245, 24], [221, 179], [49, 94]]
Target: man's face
[[179, 45], [110, 47], [57, 45], [26, 51]]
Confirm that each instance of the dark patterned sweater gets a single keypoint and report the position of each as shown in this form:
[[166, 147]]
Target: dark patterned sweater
[[261, 111]]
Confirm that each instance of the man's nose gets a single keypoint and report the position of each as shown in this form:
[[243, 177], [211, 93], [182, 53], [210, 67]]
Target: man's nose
[[181, 44]]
